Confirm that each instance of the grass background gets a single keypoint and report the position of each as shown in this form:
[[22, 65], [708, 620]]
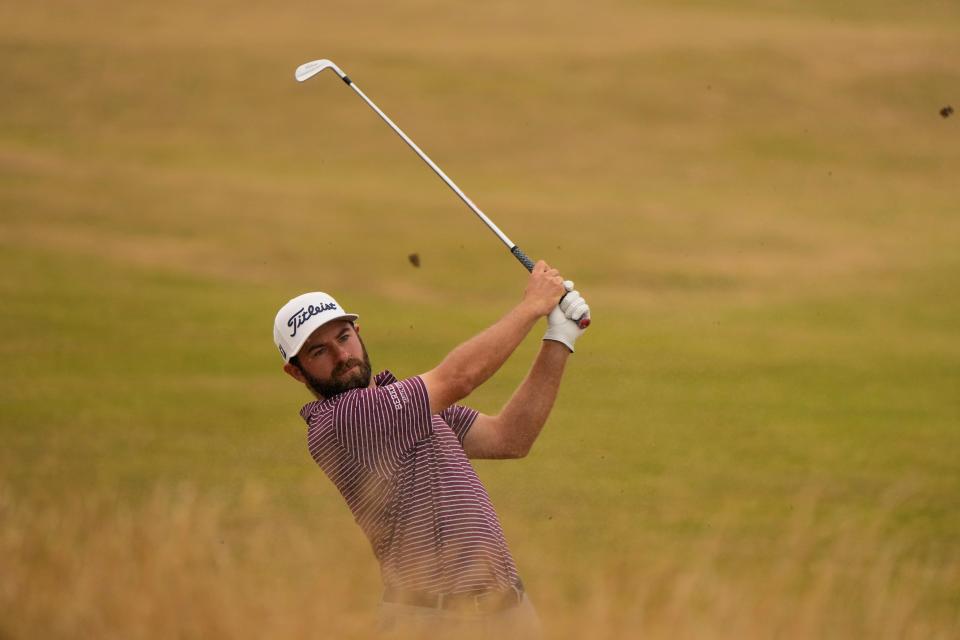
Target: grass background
[[758, 437]]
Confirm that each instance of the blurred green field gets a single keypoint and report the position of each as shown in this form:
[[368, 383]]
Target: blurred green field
[[758, 437]]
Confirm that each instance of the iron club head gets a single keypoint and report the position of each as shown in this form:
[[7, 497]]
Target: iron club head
[[309, 69]]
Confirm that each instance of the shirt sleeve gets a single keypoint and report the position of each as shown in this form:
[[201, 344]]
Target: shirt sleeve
[[460, 419], [379, 425]]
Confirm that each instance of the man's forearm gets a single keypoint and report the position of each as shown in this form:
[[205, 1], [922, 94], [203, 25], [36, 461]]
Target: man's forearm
[[473, 362], [524, 415]]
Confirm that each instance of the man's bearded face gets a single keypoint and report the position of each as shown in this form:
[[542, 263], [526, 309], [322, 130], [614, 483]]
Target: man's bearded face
[[351, 374]]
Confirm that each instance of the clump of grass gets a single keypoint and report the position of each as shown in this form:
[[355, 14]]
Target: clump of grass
[[852, 580], [184, 564], [180, 564]]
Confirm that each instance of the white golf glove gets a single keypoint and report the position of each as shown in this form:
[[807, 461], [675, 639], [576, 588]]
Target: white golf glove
[[562, 323]]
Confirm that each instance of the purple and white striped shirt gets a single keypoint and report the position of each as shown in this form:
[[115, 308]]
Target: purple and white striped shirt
[[410, 486]]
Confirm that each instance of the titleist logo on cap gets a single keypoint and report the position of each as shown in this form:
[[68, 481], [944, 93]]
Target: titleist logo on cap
[[300, 317]]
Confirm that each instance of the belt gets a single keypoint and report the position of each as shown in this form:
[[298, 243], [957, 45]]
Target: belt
[[482, 602]]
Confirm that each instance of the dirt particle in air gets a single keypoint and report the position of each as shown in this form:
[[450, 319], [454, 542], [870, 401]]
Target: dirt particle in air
[[946, 112], [414, 259]]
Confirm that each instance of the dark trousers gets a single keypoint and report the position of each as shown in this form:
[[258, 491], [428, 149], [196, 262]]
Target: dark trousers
[[408, 622]]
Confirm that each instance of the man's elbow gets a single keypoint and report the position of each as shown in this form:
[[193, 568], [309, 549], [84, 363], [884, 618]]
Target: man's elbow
[[520, 453], [517, 450]]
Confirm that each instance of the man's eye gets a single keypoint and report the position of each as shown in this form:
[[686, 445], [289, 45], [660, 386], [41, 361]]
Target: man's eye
[[344, 337]]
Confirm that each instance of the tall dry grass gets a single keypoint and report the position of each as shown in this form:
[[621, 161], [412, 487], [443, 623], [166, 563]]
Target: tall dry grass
[[847, 580], [187, 565]]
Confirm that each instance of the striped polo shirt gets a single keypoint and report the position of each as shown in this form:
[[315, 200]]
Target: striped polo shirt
[[410, 486]]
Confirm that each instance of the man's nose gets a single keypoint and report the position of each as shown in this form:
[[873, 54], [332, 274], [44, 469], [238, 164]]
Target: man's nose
[[340, 354]]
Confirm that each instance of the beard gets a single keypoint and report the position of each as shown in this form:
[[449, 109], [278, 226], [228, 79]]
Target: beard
[[340, 380]]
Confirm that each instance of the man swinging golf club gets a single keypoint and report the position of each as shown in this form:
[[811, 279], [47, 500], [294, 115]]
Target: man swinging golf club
[[398, 452]]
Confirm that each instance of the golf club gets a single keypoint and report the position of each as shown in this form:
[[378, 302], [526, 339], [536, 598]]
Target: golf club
[[309, 69]]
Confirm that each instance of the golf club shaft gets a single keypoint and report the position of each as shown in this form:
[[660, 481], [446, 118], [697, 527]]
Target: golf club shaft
[[443, 176], [518, 253]]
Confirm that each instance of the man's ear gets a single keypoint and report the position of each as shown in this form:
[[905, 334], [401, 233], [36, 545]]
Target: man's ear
[[356, 327], [294, 372]]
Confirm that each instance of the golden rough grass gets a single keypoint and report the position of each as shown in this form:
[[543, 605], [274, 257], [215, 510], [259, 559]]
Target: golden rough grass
[[187, 564]]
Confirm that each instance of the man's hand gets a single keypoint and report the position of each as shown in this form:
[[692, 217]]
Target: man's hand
[[563, 321], [544, 288]]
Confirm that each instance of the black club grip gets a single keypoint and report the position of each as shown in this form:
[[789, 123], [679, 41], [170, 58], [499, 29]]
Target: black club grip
[[522, 257]]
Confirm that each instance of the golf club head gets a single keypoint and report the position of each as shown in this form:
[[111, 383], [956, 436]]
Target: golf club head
[[309, 69]]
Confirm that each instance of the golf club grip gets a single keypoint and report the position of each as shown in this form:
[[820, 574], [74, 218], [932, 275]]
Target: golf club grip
[[522, 257], [518, 253]]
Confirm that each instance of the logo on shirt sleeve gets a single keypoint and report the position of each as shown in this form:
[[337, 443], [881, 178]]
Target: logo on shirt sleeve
[[396, 398]]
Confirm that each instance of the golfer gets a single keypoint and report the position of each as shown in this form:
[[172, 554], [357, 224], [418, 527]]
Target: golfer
[[398, 452]]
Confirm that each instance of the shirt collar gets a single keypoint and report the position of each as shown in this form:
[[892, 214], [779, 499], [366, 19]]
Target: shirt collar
[[383, 378]]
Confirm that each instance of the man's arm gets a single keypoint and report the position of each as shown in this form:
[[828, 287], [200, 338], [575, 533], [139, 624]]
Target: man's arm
[[473, 362], [512, 432]]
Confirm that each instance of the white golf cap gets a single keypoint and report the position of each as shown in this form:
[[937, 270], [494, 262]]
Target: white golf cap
[[303, 315]]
